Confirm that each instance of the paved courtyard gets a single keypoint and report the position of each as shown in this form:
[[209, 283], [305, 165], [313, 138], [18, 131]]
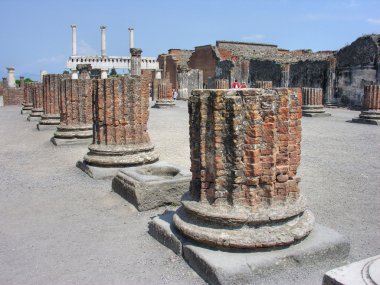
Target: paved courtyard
[[58, 226]]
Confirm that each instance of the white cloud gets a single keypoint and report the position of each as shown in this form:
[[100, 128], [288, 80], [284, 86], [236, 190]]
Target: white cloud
[[374, 21], [85, 48], [52, 59], [257, 37]]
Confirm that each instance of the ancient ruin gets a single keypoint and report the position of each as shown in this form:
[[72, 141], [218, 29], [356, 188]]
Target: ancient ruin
[[27, 104], [312, 103], [51, 101], [105, 62], [370, 113], [10, 92], [222, 84], [164, 94], [76, 110], [37, 100], [120, 117], [264, 84], [245, 180]]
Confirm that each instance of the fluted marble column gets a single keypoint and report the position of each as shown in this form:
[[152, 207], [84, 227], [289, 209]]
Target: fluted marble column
[[103, 40]]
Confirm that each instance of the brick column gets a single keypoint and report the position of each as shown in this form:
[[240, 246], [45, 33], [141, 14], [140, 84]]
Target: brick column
[[222, 84], [37, 110], [245, 151], [264, 84], [370, 113], [27, 104], [330, 88], [22, 81], [164, 94], [312, 99], [51, 100], [76, 112], [120, 117]]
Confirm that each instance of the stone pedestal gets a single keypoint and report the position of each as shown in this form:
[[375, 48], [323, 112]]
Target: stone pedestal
[[76, 112], [11, 77], [120, 135], [27, 104], [264, 84], [51, 101], [370, 113], [363, 272], [244, 195], [222, 84], [164, 95], [151, 186], [37, 95], [312, 103]]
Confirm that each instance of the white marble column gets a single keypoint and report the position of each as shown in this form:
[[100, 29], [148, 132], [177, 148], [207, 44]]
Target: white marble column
[[131, 38], [74, 74], [103, 40], [42, 73], [11, 77], [104, 73], [74, 40]]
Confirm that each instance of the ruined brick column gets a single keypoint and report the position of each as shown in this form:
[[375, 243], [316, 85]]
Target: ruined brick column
[[222, 84], [370, 113], [76, 112], [37, 110], [120, 117], [312, 102], [22, 81], [27, 104], [245, 152], [330, 101], [51, 100], [264, 84], [164, 94]]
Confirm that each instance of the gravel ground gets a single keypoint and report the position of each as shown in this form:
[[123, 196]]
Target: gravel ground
[[59, 226]]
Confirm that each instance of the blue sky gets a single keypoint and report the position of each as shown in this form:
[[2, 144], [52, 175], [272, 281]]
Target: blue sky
[[36, 34]]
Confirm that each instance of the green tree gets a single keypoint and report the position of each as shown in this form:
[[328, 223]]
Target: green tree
[[113, 72]]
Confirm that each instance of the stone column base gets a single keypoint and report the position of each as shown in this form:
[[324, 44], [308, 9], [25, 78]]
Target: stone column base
[[72, 134], [368, 117], [151, 186], [314, 111], [249, 267], [164, 104], [49, 120], [104, 161], [36, 114], [281, 224], [26, 108]]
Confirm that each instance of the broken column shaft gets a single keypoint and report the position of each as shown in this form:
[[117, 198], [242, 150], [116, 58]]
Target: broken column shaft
[[370, 113], [264, 84], [37, 110], [27, 104], [245, 152], [312, 102], [222, 84]]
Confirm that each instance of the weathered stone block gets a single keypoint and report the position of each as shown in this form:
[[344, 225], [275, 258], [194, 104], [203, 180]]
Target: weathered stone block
[[151, 186]]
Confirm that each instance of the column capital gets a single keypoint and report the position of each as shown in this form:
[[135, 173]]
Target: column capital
[[103, 27], [136, 51], [73, 26], [10, 68]]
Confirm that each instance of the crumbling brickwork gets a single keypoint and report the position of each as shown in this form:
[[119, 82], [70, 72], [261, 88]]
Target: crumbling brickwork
[[51, 93], [245, 152], [204, 58], [312, 102], [13, 96], [120, 117], [370, 113]]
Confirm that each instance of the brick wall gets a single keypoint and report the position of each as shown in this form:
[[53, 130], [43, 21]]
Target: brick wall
[[13, 96], [205, 59]]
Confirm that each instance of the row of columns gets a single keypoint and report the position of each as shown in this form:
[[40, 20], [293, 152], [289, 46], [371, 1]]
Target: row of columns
[[102, 39]]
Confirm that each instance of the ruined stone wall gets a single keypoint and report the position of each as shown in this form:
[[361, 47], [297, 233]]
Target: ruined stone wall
[[189, 80], [245, 49], [120, 111], [205, 59], [309, 74], [357, 66], [13, 96], [265, 70]]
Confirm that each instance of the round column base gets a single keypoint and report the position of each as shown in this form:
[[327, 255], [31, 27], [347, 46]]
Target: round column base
[[239, 227], [164, 104], [50, 119], [120, 155]]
